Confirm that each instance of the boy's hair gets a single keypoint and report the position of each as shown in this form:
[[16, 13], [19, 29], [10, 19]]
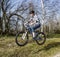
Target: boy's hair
[[32, 12]]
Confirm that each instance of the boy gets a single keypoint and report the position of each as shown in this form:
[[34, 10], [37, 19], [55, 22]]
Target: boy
[[33, 23]]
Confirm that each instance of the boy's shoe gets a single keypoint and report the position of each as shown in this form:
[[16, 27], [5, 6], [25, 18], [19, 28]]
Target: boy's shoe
[[38, 38]]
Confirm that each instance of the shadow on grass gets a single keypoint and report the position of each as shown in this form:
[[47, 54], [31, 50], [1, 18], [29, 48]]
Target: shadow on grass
[[49, 46]]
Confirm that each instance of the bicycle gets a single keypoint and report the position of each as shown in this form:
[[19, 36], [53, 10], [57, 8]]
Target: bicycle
[[22, 37]]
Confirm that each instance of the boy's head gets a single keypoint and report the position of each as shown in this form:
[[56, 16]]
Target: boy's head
[[32, 13]]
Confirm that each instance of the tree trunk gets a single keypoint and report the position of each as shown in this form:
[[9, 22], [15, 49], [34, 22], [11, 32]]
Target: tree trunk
[[3, 23]]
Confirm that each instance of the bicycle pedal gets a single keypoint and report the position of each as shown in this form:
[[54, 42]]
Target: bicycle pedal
[[38, 38], [34, 38]]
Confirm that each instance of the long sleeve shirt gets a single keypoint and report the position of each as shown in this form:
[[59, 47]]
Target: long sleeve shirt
[[34, 20]]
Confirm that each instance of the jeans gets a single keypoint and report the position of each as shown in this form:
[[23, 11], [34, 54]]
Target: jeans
[[33, 28]]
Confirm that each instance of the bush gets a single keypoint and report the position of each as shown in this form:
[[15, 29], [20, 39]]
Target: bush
[[57, 31], [53, 35], [50, 35]]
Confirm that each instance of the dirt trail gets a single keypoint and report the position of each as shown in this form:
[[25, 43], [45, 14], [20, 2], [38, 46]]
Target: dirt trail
[[57, 55]]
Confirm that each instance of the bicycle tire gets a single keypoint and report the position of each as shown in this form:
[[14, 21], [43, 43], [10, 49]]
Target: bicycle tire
[[43, 40], [19, 44]]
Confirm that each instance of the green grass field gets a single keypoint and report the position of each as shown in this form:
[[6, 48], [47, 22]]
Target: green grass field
[[8, 48]]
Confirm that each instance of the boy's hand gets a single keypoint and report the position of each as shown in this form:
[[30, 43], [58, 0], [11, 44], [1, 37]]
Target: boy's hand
[[32, 22]]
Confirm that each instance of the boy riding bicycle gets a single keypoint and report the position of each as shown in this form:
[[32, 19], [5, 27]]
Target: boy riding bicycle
[[31, 26], [33, 23]]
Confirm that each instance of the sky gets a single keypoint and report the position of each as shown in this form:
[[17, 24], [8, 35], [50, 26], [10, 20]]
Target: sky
[[36, 2]]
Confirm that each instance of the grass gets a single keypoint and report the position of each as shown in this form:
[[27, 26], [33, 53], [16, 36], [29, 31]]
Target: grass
[[8, 48], [51, 35]]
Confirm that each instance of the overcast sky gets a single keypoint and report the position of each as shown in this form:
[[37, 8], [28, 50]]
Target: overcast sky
[[36, 2]]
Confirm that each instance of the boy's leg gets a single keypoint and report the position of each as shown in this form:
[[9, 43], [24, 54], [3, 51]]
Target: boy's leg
[[37, 26], [32, 31]]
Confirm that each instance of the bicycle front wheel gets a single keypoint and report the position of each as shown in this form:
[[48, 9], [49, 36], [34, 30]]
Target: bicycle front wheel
[[21, 38]]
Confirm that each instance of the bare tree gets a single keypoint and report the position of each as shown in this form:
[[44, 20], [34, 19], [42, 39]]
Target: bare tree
[[19, 11], [50, 9], [6, 7]]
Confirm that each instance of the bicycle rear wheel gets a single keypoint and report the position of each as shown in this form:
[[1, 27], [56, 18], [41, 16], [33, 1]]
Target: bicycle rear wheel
[[20, 40], [41, 38]]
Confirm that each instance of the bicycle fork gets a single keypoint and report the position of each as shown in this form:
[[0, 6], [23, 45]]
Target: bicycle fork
[[24, 35]]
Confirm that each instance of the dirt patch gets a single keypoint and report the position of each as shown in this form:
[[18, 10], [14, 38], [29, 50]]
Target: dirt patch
[[57, 55]]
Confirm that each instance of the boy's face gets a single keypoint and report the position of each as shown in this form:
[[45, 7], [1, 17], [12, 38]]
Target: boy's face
[[32, 15]]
